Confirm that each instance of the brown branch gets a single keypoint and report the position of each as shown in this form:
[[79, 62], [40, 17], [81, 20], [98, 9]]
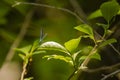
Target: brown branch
[[23, 72], [20, 36], [111, 74], [85, 62], [79, 10], [53, 7], [101, 68]]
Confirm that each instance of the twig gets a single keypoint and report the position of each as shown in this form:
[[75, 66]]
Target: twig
[[81, 13], [101, 68], [85, 62], [20, 36], [53, 7], [78, 10], [23, 72], [111, 74], [78, 17]]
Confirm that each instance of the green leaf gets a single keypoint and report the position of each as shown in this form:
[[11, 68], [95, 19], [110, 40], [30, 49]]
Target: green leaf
[[86, 50], [71, 45], [95, 14], [51, 45], [104, 26], [25, 50], [96, 56], [22, 56], [109, 9], [75, 55], [85, 29], [109, 41], [38, 52], [35, 45], [60, 57]]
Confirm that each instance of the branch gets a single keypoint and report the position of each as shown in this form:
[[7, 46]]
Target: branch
[[85, 62], [111, 74], [23, 72], [78, 10], [101, 68], [81, 13], [20, 36], [49, 6]]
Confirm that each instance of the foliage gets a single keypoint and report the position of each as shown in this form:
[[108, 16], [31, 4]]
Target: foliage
[[76, 54]]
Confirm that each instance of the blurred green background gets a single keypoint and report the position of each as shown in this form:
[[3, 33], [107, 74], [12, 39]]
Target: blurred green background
[[59, 26]]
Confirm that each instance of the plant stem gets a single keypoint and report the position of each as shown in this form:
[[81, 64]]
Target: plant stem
[[24, 71], [85, 62]]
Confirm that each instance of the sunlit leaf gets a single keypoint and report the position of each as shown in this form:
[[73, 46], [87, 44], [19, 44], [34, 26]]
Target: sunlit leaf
[[24, 50], [96, 56], [60, 57], [51, 45], [109, 9], [95, 14], [109, 41], [85, 29], [72, 44]]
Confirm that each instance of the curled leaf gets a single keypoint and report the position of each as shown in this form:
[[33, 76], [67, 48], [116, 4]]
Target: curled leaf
[[51, 45]]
